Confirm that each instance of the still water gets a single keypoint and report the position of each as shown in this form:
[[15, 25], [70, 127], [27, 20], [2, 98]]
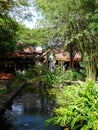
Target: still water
[[28, 111]]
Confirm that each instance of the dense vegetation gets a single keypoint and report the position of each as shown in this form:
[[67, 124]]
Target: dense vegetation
[[8, 24], [77, 107], [72, 25], [12, 31], [76, 22]]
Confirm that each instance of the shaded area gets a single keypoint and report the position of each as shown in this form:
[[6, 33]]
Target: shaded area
[[28, 111]]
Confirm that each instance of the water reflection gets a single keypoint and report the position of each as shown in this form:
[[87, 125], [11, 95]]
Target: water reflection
[[30, 110], [17, 109]]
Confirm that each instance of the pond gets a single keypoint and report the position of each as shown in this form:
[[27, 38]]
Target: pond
[[28, 111]]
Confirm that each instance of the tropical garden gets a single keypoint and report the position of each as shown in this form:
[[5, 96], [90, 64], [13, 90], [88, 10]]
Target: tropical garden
[[71, 25]]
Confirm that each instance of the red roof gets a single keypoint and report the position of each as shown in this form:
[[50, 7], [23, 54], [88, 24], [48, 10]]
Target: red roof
[[77, 56], [6, 76], [63, 56], [28, 49]]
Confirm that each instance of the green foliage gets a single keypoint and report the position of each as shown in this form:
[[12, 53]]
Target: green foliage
[[3, 90], [10, 11], [75, 21], [8, 36], [77, 107], [26, 77], [94, 24], [15, 8], [38, 74], [44, 76], [73, 75], [35, 37], [58, 78], [47, 78]]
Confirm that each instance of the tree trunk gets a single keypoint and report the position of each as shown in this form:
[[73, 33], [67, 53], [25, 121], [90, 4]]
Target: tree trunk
[[90, 67]]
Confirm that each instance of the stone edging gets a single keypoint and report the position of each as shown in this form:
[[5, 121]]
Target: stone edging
[[5, 99]]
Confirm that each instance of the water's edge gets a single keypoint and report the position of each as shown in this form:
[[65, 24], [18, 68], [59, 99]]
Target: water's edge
[[7, 98]]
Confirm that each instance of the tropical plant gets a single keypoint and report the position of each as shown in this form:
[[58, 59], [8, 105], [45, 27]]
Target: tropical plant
[[3, 90], [76, 22], [77, 107], [74, 76], [34, 37], [8, 36], [10, 12], [59, 78]]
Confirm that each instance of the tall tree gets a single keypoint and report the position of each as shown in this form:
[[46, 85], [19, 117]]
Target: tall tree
[[9, 11], [71, 19], [34, 37], [8, 36]]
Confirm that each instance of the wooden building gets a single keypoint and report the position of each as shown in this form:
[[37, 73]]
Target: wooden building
[[18, 60]]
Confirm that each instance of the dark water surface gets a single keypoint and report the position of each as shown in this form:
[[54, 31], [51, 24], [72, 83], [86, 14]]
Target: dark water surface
[[28, 111]]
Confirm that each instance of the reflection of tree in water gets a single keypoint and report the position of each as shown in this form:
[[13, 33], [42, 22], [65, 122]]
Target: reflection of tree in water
[[47, 104], [30, 110], [29, 101], [37, 102]]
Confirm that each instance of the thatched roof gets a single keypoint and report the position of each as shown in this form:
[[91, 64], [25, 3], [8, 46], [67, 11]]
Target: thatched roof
[[29, 49], [27, 52], [77, 56], [63, 56]]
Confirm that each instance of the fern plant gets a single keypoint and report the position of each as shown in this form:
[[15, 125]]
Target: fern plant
[[77, 107], [73, 75]]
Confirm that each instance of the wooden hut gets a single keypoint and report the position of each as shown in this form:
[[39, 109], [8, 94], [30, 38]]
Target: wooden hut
[[63, 59], [76, 60]]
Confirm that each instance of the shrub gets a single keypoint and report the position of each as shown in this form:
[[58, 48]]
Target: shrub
[[77, 107], [73, 75], [3, 90], [58, 78]]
